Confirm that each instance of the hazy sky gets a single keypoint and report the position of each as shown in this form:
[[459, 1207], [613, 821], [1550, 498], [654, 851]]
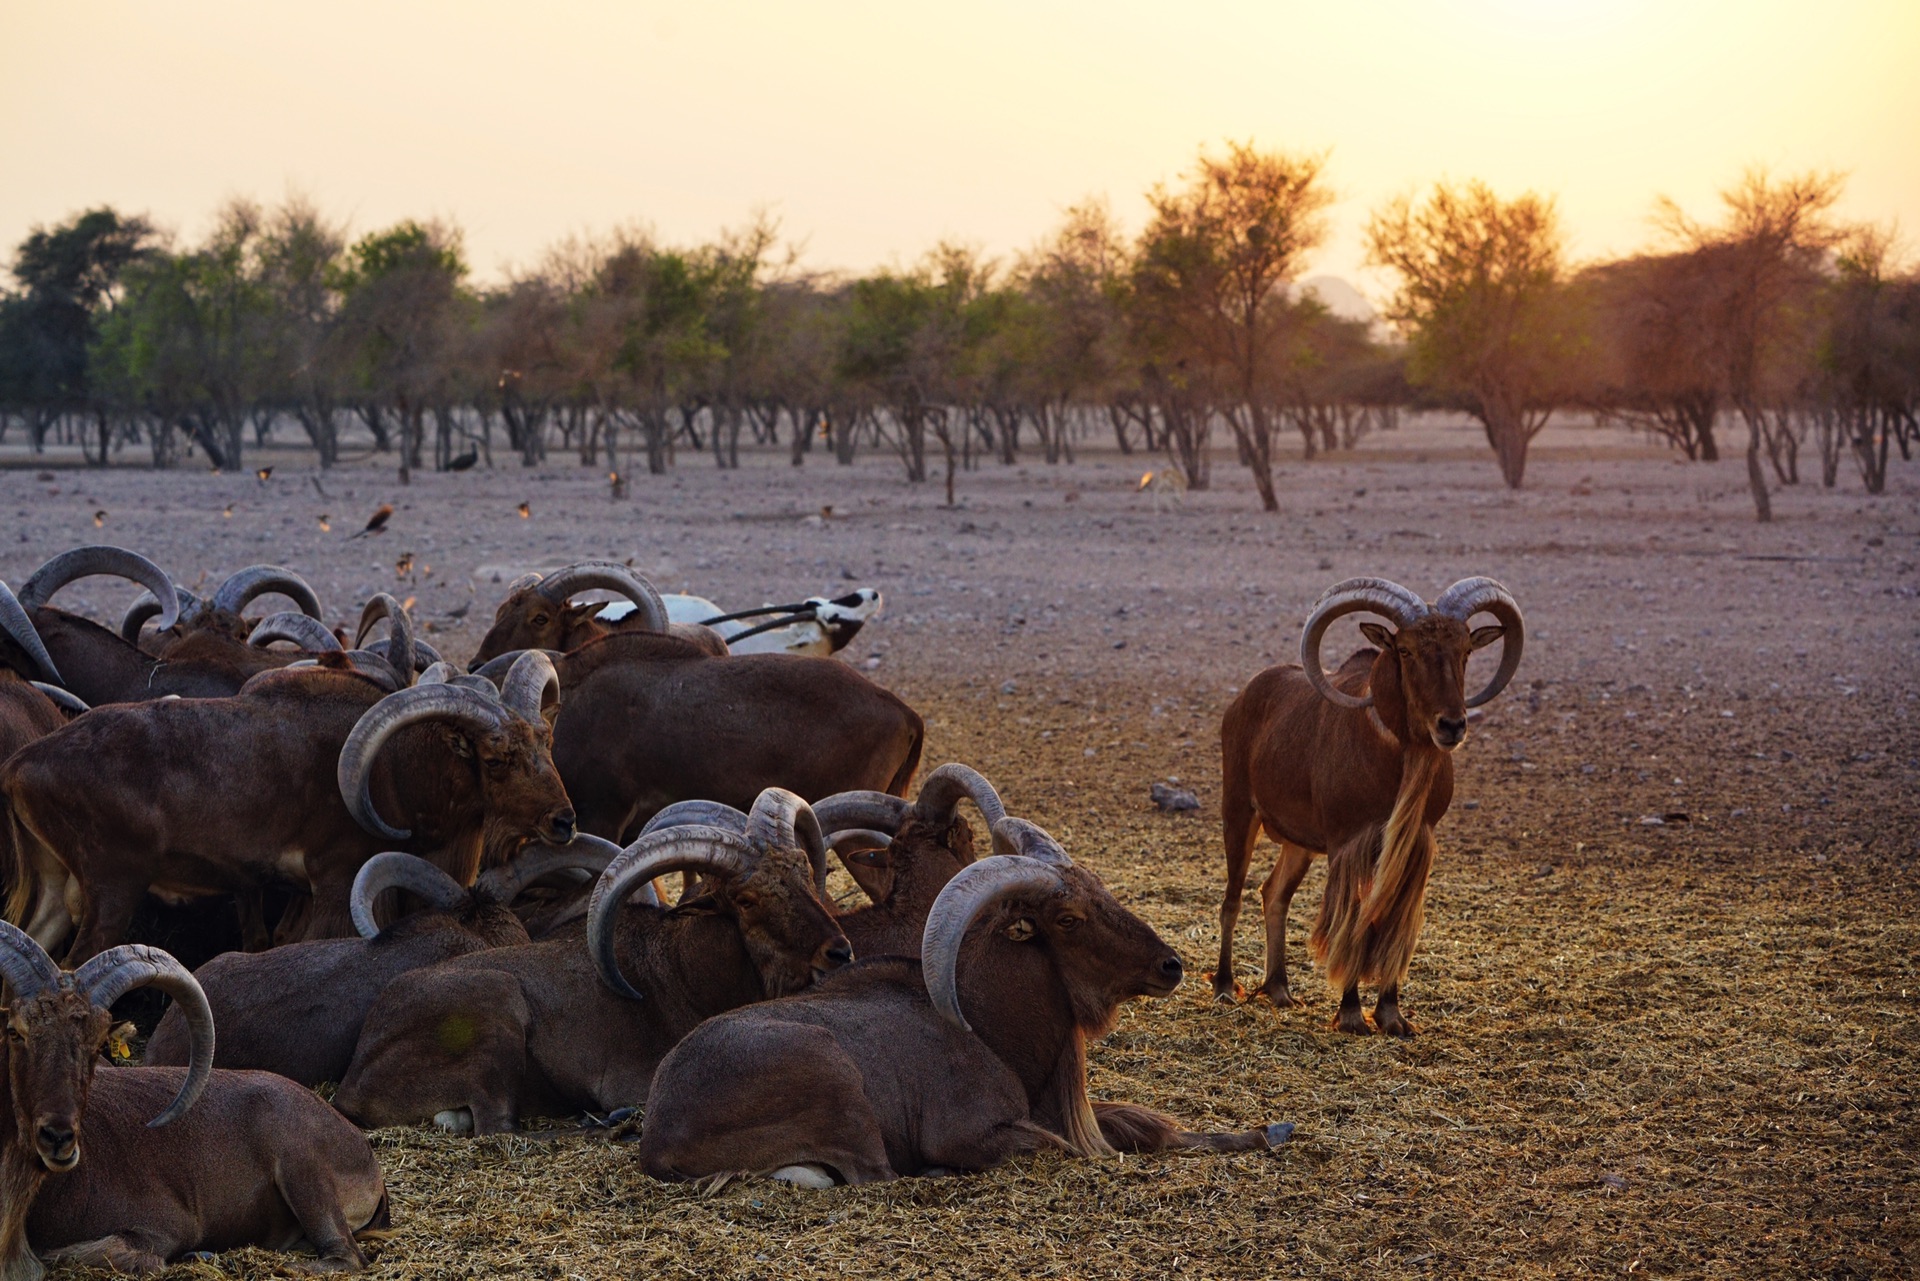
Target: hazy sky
[[874, 129]]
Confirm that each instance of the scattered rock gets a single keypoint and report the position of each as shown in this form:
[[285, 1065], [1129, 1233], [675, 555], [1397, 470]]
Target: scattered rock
[[1009, 687], [1172, 800]]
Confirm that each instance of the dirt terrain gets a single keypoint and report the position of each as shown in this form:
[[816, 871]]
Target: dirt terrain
[[1668, 978]]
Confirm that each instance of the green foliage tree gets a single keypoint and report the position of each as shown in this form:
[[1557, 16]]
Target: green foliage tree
[[1479, 299]]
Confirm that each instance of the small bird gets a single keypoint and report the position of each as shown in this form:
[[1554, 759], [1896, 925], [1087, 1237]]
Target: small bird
[[403, 566], [100, 518], [526, 510], [264, 474], [228, 513], [463, 461], [326, 526], [378, 525]]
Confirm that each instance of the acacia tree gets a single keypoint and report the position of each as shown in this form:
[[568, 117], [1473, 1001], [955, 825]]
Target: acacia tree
[[1214, 263], [1657, 366], [1479, 284], [1757, 270]]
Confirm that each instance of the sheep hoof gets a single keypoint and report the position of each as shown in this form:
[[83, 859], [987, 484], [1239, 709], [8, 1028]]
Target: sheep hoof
[[815, 1177], [455, 1120], [1279, 1133]]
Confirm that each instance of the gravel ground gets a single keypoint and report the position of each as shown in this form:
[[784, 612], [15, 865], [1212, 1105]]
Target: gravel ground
[[1669, 963]]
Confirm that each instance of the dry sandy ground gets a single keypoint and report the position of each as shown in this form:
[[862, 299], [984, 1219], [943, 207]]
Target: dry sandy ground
[[1681, 1049]]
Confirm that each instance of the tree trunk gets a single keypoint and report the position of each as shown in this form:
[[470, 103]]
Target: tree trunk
[[1756, 479]]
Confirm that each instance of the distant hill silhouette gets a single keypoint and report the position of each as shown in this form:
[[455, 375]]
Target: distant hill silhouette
[[1339, 297]]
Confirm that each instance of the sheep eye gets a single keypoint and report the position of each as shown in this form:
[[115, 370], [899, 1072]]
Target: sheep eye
[[1068, 922]]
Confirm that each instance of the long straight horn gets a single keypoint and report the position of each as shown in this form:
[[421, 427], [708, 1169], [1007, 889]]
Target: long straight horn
[[971, 892], [15, 622], [1356, 595], [118, 971], [1471, 596]]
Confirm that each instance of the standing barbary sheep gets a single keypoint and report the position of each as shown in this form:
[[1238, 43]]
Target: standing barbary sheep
[[1356, 767], [237, 1158], [893, 1067], [300, 775]]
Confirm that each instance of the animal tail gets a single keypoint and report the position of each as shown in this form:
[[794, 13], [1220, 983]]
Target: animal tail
[[903, 777], [1128, 1127]]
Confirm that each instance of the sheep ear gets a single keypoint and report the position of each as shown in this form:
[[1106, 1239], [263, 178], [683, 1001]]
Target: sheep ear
[[1377, 636], [1485, 636]]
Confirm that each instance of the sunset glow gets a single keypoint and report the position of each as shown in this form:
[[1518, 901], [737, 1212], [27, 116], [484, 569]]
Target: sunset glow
[[873, 130]]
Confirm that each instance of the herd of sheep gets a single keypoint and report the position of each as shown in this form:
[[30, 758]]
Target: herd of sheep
[[588, 871]]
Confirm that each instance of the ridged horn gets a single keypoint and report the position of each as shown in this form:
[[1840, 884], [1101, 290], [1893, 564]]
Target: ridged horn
[[119, 970], [394, 870], [64, 698], [242, 586], [85, 562], [947, 786], [15, 622], [306, 632], [781, 817], [145, 606], [848, 840], [703, 813], [1018, 838], [563, 585], [399, 651], [467, 709], [528, 683], [879, 811], [1355, 595], [676, 849], [972, 891], [24, 964], [503, 884], [495, 669], [1471, 596]]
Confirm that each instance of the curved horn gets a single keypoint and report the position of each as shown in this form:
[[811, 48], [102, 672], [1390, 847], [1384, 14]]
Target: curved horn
[[394, 870], [881, 811], [704, 813], [848, 840], [15, 622], [1371, 595], [117, 971], [1471, 596], [781, 817], [303, 630], [972, 891], [438, 674], [523, 582], [1021, 839], [63, 698], [943, 790], [145, 606], [399, 650], [85, 562], [496, 668], [589, 853], [528, 683], [564, 584], [244, 585], [24, 964], [677, 849], [467, 709]]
